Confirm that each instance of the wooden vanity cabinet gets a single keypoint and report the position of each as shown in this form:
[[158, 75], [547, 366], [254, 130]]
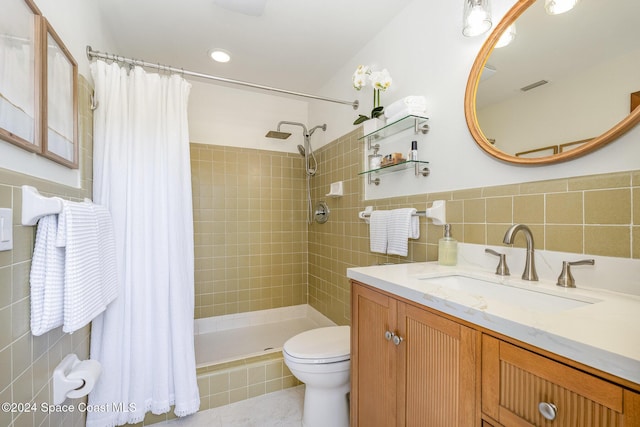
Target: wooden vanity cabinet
[[409, 366], [516, 381]]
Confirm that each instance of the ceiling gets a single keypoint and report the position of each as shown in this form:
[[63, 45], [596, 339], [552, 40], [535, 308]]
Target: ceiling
[[292, 44]]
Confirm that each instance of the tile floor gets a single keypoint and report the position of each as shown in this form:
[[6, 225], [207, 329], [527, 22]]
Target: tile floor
[[278, 409]]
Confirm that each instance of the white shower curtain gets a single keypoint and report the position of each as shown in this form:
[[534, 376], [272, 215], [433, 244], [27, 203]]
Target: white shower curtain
[[144, 339]]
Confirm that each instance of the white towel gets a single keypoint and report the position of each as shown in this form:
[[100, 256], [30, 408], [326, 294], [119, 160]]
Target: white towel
[[378, 223], [90, 282], [403, 225], [46, 278], [408, 103]]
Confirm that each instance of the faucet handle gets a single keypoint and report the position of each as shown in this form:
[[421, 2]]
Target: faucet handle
[[566, 279], [502, 269]]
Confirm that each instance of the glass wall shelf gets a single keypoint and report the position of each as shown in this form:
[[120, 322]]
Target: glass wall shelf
[[400, 166], [419, 124]]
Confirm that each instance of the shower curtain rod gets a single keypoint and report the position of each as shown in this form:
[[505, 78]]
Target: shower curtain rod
[[110, 57]]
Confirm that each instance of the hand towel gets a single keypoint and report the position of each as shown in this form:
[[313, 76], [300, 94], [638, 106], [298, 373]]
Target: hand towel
[[378, 222], [46, 279], [90, 281], [403, 225]]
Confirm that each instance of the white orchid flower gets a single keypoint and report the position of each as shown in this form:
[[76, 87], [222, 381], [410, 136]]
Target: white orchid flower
[[360, 77], [381, 79]]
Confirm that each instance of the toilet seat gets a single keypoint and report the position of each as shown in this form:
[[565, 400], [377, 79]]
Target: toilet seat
[[319, 346]]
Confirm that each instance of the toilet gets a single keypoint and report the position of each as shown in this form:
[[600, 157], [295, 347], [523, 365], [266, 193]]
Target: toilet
[[321, 359]]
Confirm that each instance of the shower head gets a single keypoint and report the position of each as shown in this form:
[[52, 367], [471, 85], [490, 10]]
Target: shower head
[[284, 135], [278, 134], [301, 150]]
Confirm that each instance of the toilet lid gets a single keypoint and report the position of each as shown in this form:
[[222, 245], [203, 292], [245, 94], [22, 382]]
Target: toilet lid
[[321, 345]]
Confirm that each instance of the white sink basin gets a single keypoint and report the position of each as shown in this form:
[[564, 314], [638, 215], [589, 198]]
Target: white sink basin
[[514, 295]]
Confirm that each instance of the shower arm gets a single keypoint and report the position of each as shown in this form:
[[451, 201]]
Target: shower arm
[[284, 122]]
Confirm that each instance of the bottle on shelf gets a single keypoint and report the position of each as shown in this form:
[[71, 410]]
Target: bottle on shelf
[[413, 153], [375, 161]]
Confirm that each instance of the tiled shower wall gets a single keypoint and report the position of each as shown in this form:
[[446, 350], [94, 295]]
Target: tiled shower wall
[[250, 229], [598, 215], [27, 362]]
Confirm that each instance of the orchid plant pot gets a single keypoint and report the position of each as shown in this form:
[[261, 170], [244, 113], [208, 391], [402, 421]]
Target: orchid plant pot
[[373, 125]]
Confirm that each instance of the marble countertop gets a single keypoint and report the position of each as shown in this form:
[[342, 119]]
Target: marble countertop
[[603, 332]]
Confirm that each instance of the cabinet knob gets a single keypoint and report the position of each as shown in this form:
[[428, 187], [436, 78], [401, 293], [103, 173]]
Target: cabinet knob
[[547, 410], [397, 339], [390, 336]]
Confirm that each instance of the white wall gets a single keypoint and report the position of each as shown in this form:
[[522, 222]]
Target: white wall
[[78, 24], [426, 54], [221, 115]]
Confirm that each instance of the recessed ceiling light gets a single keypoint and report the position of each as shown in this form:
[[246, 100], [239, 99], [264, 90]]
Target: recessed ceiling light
[[220, 55]]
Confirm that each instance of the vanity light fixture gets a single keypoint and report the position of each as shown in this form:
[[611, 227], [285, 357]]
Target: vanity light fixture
[[507, 37], [556, 7], [220, 55], [477, 18]]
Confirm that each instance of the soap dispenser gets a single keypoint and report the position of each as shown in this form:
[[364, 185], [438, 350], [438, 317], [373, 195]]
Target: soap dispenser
[[447, 248]]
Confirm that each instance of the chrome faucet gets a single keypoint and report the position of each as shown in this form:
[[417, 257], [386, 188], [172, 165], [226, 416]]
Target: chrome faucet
[[529, 267]]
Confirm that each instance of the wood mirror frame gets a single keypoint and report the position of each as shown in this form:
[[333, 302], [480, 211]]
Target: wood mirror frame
[[470, 105], [65, 99]]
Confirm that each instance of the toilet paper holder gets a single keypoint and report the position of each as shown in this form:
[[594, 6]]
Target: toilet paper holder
[[74, 378]]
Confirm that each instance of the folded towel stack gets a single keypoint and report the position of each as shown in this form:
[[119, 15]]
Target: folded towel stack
[[389, 231], [409, 105], [73, 271]]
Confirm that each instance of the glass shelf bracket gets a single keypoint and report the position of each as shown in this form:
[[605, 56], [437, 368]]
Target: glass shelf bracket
[[419, 124], [420, 168]]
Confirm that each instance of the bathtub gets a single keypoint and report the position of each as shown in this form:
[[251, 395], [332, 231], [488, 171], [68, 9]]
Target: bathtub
[[232, 337], [239, 356]]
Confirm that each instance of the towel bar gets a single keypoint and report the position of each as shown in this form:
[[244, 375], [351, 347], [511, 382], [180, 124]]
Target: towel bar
[[35, 205], [437, 212], [365, 214]]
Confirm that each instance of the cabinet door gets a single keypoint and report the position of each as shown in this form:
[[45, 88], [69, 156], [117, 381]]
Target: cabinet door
[[438, 376], [373, 359], [515, 382]]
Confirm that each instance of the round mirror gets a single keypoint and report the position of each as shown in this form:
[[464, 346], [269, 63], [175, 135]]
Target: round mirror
[[566, 85]]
